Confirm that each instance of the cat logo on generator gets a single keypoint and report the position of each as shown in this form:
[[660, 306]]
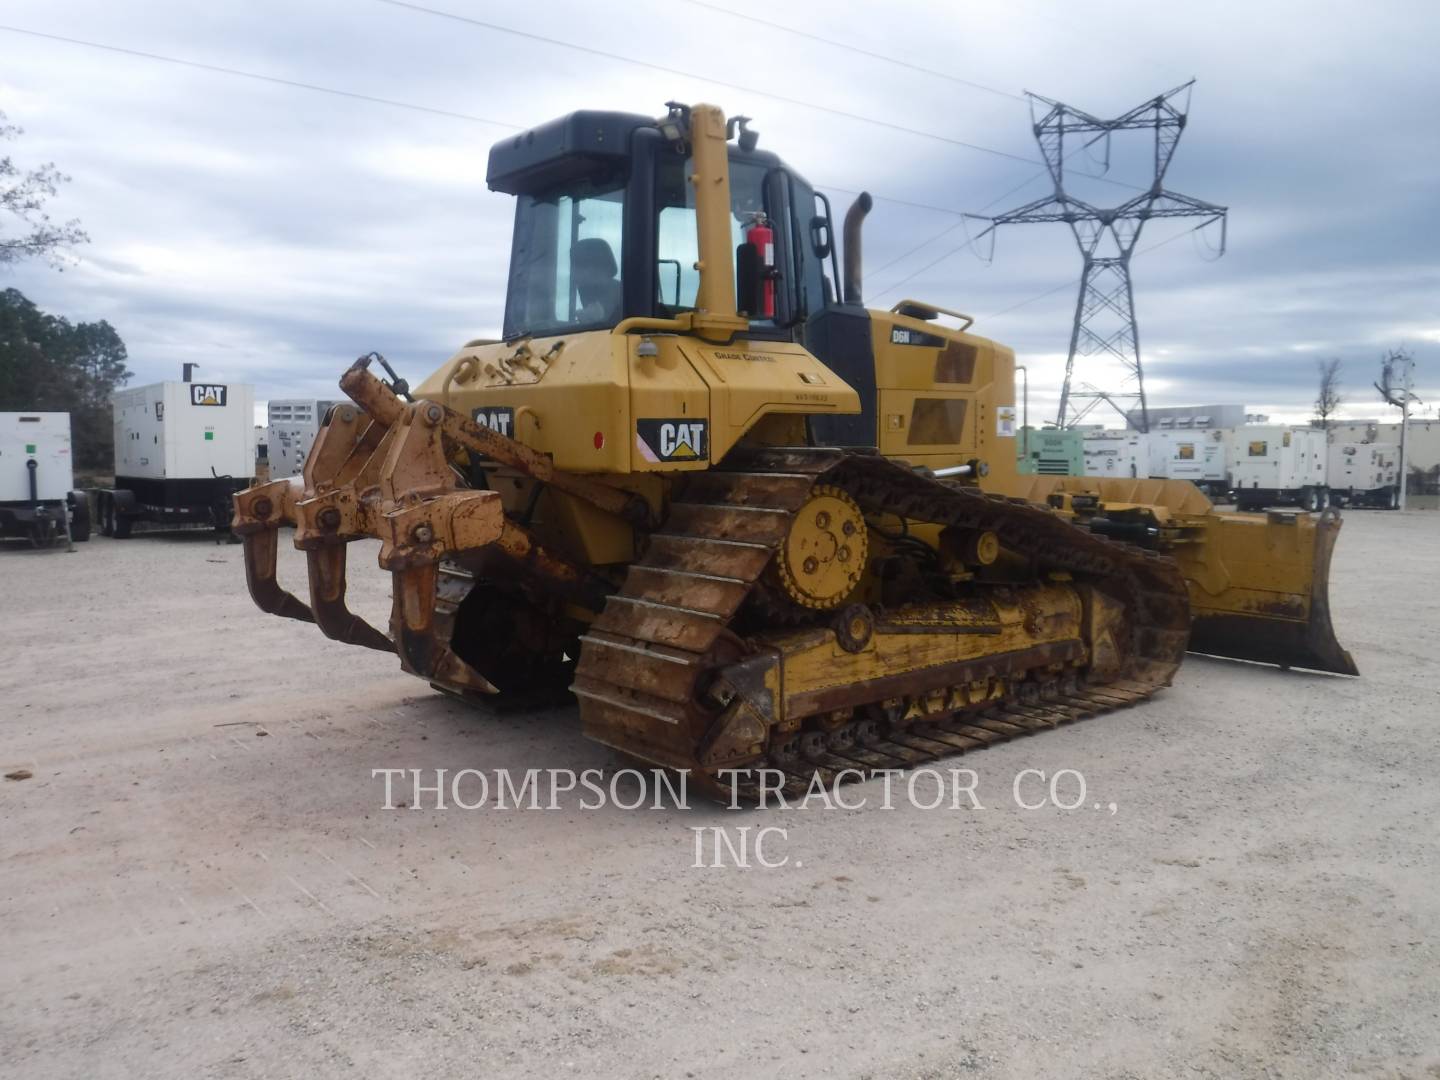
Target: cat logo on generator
[[207, 394]]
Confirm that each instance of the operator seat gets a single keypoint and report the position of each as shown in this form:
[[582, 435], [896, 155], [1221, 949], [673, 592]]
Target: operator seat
[[593, 269]]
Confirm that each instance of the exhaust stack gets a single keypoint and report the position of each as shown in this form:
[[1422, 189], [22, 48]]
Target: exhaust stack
[[854, 218]]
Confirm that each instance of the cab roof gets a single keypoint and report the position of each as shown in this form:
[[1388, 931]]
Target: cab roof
[[559, 150]]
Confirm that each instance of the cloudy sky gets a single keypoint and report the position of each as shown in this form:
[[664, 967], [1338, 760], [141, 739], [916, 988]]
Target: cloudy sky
[[272, 233]]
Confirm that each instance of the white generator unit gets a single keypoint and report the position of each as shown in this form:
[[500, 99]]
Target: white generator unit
[[1198, 455], [37, 475], [1365, 474], [1050, 452], [182, 449], [293, 425], [1274, 465], [1117, 453]]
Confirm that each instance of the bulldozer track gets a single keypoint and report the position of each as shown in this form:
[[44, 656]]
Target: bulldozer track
[[644, 660]]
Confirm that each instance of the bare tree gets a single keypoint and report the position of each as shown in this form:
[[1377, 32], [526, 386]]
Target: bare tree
[[1396, 367], [1328, 401], [23, 193]]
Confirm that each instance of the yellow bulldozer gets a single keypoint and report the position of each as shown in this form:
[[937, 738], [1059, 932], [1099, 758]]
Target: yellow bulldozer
[[745, 520]]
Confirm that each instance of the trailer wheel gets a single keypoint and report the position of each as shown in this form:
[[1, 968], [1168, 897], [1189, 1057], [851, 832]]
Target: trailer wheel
[[1392, 502], [106, 512], [1310, 500], [79, 516], [120, 525], [1324, 496]]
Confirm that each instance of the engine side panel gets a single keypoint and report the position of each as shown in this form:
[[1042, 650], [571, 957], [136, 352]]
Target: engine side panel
[[605, 403]]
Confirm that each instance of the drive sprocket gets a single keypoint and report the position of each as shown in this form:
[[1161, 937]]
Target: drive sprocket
[[824, 554]]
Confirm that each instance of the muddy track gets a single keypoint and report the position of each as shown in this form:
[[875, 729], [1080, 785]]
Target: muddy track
[[643, 663]]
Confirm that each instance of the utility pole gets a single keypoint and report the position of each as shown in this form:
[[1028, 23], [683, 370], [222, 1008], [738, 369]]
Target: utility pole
[[1397, 372], [1105, 309]]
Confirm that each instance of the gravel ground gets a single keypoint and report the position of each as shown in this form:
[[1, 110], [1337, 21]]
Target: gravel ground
[[200, 878]]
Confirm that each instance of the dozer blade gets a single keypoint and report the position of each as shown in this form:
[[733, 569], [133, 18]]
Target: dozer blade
[[1260, 590], [1259, 583]]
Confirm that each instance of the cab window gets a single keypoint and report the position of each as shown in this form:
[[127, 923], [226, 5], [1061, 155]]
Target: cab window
[[677, 247], [565, 269]]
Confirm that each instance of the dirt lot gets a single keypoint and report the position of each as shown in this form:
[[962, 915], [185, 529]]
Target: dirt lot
[[200, 879]]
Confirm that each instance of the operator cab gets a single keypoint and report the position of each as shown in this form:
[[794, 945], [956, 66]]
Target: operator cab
[[605, 229]]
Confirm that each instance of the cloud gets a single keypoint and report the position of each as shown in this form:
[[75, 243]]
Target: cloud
[[272, 233]]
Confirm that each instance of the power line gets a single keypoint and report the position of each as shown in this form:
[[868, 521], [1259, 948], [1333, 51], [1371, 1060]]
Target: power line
[[1038, 296], [295, 84], [469, 117], [970, 241], [911, 251], [1023, 303], [900, 202], [592, 51], [856, 49], [930, 240], [292, 83], [1076, 281], [986, 319]]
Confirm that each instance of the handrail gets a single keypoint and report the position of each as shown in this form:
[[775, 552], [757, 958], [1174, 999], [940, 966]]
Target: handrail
[[468, 365], [680, 324], [935, 309]]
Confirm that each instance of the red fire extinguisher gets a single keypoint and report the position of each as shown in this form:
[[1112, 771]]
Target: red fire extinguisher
[[763, 238]]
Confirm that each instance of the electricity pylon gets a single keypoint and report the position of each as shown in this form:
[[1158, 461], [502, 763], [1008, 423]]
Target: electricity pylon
[[1105, 310]]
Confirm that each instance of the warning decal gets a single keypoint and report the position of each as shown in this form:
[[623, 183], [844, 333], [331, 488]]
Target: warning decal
[[1005, 421]]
